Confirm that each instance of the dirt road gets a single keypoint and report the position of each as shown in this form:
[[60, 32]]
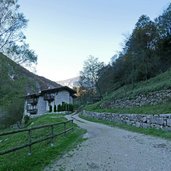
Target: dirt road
[[113, 149]]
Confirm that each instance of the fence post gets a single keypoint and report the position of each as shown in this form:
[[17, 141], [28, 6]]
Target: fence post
[[64, 128], [72, 124], [52, 134], [29, 138]]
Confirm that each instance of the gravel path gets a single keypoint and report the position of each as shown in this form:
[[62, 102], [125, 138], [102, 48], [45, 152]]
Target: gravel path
[[113, 149]]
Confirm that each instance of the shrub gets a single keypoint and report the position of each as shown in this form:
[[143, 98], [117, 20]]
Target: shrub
[[70, 107], [54, 108], [59, 108], [11, 113], [65, 107], [50, 108]]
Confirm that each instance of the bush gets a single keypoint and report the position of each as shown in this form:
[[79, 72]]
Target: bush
[[70, 107], [50, 108], [59, 108], [11, 113], [54, 108], [65, 107]]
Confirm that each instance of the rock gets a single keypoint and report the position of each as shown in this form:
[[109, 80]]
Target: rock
[[169, 122], [159, 121], [138, 124]]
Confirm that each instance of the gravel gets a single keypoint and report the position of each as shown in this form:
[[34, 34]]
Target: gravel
[[114, 149]]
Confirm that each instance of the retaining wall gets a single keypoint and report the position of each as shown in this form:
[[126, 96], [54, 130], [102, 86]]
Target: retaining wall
[[162, 121], [151, 98]]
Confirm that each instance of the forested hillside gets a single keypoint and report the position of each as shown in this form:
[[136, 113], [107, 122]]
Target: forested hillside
[[15, 83], [146, 53]]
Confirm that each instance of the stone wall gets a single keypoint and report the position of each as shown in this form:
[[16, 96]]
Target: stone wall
[[151, 98], [162, 121]]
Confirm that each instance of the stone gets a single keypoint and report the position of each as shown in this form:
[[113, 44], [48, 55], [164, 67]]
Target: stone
[[145, 125], [160, 121], [138, 120], [138, 124], [169, 122], [144, 119]]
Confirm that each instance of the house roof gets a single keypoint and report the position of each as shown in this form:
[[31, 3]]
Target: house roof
[[32, 95], [52, 90]]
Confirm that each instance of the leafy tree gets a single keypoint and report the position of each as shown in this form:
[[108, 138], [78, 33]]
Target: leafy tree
[[12, 39], [89, 76], [22, 54], [106, 79], [141, 48], [163, 23]]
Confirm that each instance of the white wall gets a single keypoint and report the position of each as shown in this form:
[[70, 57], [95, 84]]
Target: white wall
[[41, 105], [62, 96]]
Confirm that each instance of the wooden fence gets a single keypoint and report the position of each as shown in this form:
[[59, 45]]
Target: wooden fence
[[31, 142]]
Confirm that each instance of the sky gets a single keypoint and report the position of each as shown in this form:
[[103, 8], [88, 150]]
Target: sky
[[64, 33]]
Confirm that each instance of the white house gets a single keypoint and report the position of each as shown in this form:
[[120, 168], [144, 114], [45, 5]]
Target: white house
[[48, 100]]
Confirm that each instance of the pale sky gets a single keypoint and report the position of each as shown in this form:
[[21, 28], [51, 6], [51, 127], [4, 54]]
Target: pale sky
[[64, 33]]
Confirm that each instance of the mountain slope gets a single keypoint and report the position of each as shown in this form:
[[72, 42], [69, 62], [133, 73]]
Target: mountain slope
[[15, 83], [72, 82]]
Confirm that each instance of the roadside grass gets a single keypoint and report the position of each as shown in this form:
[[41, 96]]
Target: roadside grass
[[42, 153], [146, 131], [148, 109]]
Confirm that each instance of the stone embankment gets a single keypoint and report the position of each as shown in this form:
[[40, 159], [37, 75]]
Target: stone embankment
[[162, 121], [151, 98]]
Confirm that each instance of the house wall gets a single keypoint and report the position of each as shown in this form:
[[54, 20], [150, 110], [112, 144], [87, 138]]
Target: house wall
[[70, 100], [62, 96], [41, 105]]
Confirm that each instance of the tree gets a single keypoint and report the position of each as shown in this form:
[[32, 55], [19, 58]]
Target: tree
[[106, 77], [141, 47], [89, 76], [22, 54], [12, 39], [163, 23], [145, 53]]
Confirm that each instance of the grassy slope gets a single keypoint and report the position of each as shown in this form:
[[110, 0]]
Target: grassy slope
[[149, 109], [160, 82], [42, 153]]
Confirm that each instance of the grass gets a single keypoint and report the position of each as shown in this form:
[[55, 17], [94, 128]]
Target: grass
[[42, 153], [146, 131], [160, 82], [148, 109]]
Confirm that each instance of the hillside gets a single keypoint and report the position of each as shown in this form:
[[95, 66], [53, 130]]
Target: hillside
[[151, 96], [15, 83]]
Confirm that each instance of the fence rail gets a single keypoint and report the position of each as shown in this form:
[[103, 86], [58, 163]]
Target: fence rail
[[32, 142]]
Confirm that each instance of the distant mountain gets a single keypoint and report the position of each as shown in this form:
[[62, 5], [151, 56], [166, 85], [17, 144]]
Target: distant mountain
[[15, 83], [72, 82]]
